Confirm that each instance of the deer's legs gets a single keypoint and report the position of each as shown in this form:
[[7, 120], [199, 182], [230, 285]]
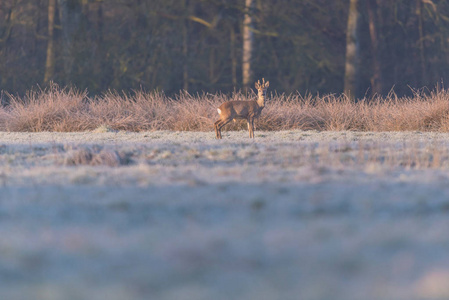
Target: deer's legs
[[218, 125], [217, 132], [251, 127], [218, 128]]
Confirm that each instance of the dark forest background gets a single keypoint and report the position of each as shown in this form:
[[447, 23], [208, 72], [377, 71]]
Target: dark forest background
[[361, 47]]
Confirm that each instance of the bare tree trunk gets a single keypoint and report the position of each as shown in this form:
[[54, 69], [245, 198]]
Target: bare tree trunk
[[99, 68], [50, 62], [5, 36], [70, 12], [10, 19], [185, 50], [212, 60], [247, 45], [185, 53], [376, 78], [233, 58], [421, 43], [352, 51]]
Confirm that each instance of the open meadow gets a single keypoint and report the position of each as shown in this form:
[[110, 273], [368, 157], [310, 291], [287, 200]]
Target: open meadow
[[123, 177], [293, 214]]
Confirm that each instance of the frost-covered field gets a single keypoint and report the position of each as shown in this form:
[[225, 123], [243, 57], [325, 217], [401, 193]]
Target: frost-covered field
[[180, 215]]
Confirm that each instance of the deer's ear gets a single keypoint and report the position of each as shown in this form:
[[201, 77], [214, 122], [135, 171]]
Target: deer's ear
[[267, 84], [257, 85]]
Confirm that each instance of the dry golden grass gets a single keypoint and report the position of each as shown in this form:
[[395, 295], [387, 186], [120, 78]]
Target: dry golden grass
[[95, 156], [64, 110]]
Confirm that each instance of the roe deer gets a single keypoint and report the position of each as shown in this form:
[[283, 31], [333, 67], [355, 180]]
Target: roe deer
[[248, 110]]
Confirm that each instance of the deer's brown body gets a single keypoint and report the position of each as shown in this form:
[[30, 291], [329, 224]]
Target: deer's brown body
[[248, 110]]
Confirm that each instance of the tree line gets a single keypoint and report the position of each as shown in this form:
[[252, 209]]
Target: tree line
[[361, 47]]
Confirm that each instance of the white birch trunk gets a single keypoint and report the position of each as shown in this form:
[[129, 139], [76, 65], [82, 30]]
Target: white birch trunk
[[247, 45], [352, 51], [50, 61]]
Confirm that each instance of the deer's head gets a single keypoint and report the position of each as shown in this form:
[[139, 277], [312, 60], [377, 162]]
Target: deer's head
[[262, 91]]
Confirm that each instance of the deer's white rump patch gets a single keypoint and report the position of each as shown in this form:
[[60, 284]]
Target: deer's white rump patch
[[219, 111]]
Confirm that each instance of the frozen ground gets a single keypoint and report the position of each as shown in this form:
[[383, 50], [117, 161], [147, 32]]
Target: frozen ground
[[179, 215]]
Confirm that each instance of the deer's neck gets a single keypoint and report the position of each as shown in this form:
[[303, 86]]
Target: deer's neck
[[261, 102]]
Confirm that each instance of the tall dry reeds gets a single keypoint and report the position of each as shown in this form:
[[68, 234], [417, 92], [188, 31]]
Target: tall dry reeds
[[68, 109]]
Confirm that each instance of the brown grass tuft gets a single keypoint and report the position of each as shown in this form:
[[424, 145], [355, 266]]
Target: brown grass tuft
[[78, 157], [67, 109], [106, 158], [53, 109], [95, 157]]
